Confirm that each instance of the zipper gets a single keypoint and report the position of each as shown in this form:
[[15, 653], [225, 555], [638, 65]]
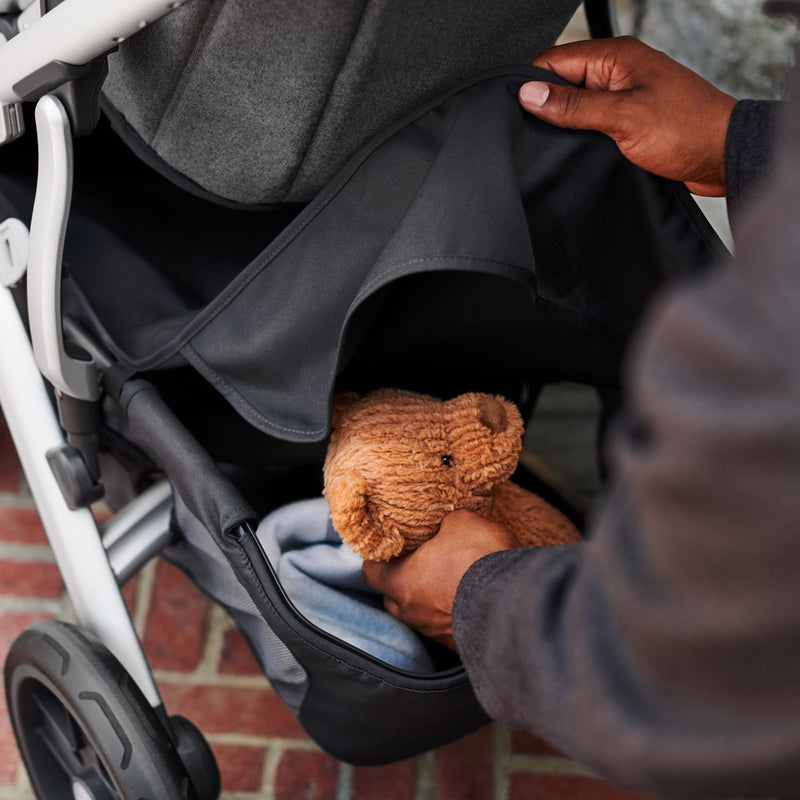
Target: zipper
[[244, 537]]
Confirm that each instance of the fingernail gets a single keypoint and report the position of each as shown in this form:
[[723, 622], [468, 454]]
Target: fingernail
[[534, 94]]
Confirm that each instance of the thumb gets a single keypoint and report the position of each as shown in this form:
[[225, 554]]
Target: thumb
[[569, 106]]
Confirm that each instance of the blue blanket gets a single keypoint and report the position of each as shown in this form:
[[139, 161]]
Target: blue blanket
[[323, 579]]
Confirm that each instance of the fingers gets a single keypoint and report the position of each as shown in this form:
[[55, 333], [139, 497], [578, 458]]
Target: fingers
[[379, 574], [382, 577], [392, 607], [609, 64], [571, 106], [600, 70], [664, 117]]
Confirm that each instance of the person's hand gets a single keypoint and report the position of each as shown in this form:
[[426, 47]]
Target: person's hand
[[664, 117], [419, 588]]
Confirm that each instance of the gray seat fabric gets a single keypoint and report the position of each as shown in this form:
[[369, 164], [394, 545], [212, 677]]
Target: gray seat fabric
[[262, 102]]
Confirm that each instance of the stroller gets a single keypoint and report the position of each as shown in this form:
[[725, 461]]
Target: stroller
[[189, 367]]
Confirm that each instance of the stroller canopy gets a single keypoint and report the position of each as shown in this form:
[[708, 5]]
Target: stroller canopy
[[263, 102], [468, 185]]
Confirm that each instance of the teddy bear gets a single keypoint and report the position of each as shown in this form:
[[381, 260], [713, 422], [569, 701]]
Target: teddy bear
[[398, 461]]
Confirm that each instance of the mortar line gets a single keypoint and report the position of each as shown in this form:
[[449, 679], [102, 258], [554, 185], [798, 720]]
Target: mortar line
[[551, 765], [207, 667], [501, 758], [344, 782], [425, 788]]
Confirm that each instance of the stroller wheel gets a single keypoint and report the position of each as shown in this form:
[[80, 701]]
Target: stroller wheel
[[197, 757], [83, 727]]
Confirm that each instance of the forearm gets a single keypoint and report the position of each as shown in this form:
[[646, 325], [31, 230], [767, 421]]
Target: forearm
[[664, 652]]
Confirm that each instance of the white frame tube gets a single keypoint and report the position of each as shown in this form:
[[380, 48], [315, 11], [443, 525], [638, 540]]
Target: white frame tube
[[75, 32], [73, 535]]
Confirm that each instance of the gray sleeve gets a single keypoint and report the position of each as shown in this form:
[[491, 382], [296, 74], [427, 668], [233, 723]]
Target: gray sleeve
[[749, 151], [664, 653]]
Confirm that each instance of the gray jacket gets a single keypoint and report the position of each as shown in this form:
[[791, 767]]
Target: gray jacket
[[664, 652]]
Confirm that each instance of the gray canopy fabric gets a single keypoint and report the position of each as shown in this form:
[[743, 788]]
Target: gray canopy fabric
[[467, 185], [262, 101]]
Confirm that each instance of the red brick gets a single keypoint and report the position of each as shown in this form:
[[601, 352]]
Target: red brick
[[21, 525], [231, 709], [236, 657], [12, 625], [30, 579], [9, 755], [10, 470], [527, 743], [306, 775], [241, 767], [464, 769], [176, 623], [392, 782], [557, 787]]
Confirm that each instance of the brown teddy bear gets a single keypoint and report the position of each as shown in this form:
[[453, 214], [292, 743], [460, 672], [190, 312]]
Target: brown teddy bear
[[399, 461]]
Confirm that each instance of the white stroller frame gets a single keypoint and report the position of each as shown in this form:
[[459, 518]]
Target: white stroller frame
[[75, 32], [33, 62]]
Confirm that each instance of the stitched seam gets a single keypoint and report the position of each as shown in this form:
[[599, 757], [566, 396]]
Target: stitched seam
[[227, 388], [391, 272], [235, 514]]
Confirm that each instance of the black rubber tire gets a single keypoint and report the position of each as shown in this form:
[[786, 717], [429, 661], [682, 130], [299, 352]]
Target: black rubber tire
[[78, 717]]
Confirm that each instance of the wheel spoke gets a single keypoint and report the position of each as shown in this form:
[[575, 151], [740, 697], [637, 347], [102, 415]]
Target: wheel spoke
[[96, 782], [95, 775], [68, 744], [59, 732]]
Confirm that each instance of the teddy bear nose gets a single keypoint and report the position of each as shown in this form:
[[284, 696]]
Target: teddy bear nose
[[492, 414]]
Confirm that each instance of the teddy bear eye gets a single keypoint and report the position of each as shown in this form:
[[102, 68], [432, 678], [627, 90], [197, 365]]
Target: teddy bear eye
[[447, 460]]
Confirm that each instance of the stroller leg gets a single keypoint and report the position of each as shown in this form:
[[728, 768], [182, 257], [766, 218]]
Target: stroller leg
[[139, 531], [73, 535]]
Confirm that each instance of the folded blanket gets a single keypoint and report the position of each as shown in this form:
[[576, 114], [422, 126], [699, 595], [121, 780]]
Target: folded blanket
[[323, 579]]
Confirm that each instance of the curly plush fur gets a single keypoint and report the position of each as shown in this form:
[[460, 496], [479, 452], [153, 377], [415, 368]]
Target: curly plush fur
[[399, 461]]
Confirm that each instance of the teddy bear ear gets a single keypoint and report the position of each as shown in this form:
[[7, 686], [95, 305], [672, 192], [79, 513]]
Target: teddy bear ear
[[361, 528], [347, 499], [341, 404], [492, 413], [499, 415]]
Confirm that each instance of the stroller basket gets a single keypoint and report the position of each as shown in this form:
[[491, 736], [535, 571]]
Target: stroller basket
[[332, 688]]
